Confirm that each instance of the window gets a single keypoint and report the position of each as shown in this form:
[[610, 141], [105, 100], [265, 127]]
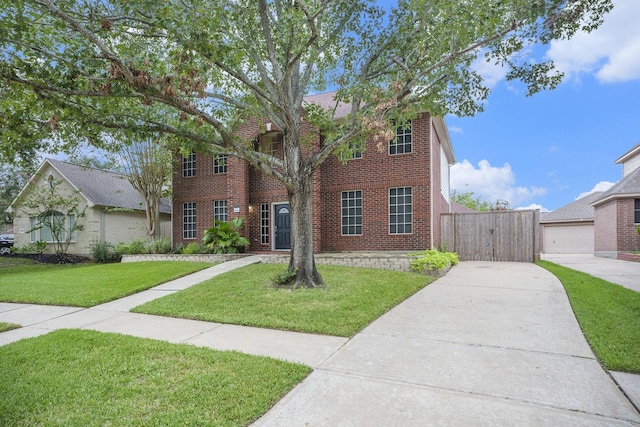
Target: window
[[636, 212], [401, 144], [220, 210], [189, 220], [220, 164], [41, 227], [356, 152], [351, 213], [264, 223], [189, 165], [270, 142], [400, 210]]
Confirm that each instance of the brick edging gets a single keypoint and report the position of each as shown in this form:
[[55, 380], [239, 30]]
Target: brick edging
[[627, 256]]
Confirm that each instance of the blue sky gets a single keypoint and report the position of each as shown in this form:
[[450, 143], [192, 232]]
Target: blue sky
[[545, 151]]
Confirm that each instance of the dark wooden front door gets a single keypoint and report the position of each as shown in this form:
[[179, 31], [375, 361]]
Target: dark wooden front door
[[283, 226]]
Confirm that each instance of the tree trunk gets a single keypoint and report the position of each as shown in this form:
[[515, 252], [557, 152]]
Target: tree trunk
[[302, 257]]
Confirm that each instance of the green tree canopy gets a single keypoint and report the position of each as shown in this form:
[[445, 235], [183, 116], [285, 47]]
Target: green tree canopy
[[125, 70]]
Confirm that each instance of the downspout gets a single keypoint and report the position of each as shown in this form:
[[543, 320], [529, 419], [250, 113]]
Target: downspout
[[103, 214], [431, 181]]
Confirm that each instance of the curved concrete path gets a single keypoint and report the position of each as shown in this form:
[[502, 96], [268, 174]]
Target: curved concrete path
[[487, 344]]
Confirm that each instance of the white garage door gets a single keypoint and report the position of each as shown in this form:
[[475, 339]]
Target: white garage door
[[568, 239]]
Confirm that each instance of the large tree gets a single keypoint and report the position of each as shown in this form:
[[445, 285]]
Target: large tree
[[117, 70]]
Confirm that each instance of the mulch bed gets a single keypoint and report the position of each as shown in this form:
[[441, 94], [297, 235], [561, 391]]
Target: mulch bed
[[52, 258]]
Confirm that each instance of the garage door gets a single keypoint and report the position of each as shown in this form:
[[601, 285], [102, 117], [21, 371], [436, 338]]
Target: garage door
[[568, 239]]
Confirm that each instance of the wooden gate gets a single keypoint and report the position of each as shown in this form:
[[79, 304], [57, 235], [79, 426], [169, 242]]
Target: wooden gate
[[493, 236]]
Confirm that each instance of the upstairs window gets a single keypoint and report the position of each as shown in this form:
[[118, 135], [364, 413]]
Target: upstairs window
[[270, 143], [189, 165], [401, 144], [220, 164]]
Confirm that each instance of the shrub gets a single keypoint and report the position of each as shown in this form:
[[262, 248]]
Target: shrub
[[224, 237], [432, 259], [285, 278], [104, 252], [195, 248], [133, 248], [32, 248], [158, 246]]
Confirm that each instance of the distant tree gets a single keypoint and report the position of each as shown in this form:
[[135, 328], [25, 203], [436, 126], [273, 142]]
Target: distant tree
[[12, 180], [105, 161], [56, 213], [470, 200], [147, 165]]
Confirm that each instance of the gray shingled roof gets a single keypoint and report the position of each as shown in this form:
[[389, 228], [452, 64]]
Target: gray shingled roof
[[627, 186], [578, 210], [103, 188]]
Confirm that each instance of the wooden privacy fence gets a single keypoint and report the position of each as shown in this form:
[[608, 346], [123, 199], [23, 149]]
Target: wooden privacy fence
[[493, 236]]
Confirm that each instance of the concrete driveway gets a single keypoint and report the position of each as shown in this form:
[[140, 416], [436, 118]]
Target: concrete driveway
[[623, 273]]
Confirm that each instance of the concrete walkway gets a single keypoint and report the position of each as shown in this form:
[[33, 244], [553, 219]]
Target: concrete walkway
[[115, 317], [623, 273], [487, 344]]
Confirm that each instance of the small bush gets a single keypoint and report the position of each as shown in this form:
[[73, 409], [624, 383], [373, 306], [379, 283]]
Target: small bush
[[158, 246], [135, 247], [195, 248], [224, 237], [432, 259], [32, 248], [104, 252], [285, 278]]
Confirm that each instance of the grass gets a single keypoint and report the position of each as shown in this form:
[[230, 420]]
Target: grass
[[88, 378], [4, 327], [86, 285], [355, 297], [609, 316]]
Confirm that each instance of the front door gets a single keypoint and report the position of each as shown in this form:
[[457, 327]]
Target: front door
[[282, 228]]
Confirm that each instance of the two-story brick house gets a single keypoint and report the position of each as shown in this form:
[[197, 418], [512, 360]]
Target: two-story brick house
[[376, 201]]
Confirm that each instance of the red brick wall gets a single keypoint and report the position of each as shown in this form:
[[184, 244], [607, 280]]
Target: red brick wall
[[628, 237], [376, 172], [614, 226], [605, 224]]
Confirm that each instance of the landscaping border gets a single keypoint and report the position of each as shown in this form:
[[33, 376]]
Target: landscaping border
[[213, 258]]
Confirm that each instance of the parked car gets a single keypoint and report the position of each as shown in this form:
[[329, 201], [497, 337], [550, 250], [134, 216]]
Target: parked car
[[6, 243]]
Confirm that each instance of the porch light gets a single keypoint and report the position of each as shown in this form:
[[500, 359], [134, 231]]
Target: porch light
[[51, 183]]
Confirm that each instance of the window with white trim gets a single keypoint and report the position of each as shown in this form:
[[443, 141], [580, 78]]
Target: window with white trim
[[264, 223], [220, 210], [189, 165], [189, 220], [270, 143], [220, 164], [40, 227], [402, 143], [400, 210], [352, 213]]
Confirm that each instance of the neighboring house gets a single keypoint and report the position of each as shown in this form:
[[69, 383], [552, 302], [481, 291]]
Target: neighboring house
[[115, 210], [617, 210], [569, 229], [377, 201]]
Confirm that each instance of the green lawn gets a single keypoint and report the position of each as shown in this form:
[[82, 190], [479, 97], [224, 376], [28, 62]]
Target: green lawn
[[355, 297], [86, 285], [609, 316], [87, 378]]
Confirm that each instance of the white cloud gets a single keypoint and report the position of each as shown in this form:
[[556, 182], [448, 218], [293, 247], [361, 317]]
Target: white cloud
[[601, 186], [455, 129], [612, 51], [490, 72], [491, 183]]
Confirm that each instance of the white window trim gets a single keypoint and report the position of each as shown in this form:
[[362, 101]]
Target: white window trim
[[389, 210], [342, 216]]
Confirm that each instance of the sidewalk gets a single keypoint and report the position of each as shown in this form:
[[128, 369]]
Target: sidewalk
[[487, 344], [114, 316]]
